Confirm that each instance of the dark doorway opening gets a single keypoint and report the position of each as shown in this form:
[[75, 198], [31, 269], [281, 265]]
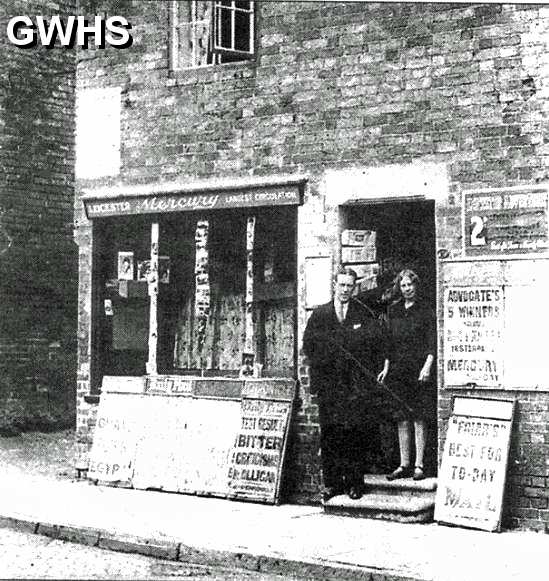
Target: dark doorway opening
[[404, 237]]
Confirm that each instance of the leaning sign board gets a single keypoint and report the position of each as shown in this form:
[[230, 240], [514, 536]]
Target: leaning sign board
[[215, 437], [259, 446], [118, 425], [471, 478]]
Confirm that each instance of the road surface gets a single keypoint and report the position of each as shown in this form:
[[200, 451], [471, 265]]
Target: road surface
[[25, 555]]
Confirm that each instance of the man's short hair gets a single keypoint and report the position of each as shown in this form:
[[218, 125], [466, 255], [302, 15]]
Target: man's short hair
[[346, 271]]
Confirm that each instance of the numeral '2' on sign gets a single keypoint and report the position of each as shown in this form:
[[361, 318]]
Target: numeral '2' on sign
[[477, 231]]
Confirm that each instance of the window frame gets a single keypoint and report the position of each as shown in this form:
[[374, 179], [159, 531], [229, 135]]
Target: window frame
[[216, 51]]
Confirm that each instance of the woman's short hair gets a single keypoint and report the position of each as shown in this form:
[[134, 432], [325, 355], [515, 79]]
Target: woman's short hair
[[406, 273]]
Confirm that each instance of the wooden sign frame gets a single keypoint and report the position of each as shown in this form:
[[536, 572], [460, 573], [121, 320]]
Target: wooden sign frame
[[212, 437], [474, 321], [505, 221], [472, 475]]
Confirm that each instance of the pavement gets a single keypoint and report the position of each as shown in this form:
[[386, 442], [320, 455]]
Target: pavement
[[294, 540]]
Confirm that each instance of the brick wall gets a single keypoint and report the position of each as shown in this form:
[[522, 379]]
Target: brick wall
[[37, 252], [341, 86]]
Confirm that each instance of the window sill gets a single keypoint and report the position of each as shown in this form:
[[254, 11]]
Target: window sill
[[213, 73]]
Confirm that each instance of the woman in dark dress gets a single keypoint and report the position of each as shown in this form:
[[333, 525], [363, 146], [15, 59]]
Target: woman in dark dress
[[412, 330]]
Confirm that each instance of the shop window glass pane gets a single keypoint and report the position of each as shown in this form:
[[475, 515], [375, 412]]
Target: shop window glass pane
[[221, 343], [121, 326]]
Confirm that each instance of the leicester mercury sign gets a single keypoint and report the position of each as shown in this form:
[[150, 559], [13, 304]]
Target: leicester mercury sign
[[185, 202]]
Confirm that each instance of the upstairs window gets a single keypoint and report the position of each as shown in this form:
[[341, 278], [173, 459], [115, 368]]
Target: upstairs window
[[206, 32]]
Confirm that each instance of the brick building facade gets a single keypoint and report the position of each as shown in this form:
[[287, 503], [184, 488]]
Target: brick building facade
[[359, 103], [38, 256]]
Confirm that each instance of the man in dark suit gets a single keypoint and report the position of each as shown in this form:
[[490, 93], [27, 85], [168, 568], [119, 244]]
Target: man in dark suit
[[346, 347]]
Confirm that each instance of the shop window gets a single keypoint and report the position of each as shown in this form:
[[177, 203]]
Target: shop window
[[226, 287], [121, 305], [219, 346], [205, 32]]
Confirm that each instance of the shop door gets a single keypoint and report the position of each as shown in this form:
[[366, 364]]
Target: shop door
[[402, 236]]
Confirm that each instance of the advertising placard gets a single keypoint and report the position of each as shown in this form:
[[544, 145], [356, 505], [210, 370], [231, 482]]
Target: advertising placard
[[217, 437], [505, 221], [473, 335], [256, 459], [117, 431], [471, 479], [185, 445]]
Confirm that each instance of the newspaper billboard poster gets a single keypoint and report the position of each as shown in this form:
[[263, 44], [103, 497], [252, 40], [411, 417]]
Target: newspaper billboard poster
[[473, 336], [505, 221], [471, 479]]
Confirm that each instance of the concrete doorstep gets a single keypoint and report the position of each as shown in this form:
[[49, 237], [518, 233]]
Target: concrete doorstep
[[402, 501]]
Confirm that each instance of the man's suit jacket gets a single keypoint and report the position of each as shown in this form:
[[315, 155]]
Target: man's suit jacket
[[333, 349]]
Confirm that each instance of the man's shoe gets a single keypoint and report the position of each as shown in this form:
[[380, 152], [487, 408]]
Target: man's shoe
[[330, 492], [400, 472], [355, 492]]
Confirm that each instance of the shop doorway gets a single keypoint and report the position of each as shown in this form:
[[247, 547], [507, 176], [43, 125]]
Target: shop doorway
[[401, 235]]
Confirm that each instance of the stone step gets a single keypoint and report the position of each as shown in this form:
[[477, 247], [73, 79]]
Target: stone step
[[378, 484], [402, 508]]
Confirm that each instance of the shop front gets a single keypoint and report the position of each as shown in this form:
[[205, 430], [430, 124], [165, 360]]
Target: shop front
[[198, 299], [193, 337], [194, 300]]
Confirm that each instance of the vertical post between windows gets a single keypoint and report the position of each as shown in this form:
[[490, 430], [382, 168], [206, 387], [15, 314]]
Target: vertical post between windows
[[250, 239], [152, 368]]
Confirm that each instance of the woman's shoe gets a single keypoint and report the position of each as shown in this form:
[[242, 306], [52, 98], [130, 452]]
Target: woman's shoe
[[418, 473], [400, 472]]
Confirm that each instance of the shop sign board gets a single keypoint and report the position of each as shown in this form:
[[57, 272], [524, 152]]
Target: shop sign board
[[119, 422], [473, 335], [471, 478], [167, 438], [505, 221], [185, 202], [256, 459], [168, 384], [185, 445]]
